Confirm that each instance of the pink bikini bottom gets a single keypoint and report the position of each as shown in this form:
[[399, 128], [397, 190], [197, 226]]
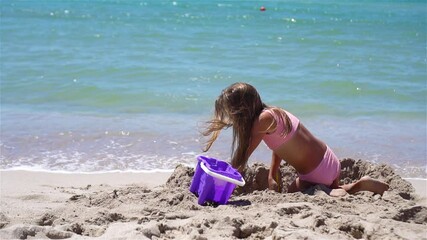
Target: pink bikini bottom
[[326, 172]]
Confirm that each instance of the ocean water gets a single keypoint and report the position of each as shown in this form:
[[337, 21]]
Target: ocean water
[[96, 86]]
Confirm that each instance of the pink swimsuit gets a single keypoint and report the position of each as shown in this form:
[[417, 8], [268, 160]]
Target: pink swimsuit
[[327, 170], [276, 139]]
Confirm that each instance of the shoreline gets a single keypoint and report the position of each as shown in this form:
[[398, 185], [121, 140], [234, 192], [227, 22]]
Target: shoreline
[[407, 157]]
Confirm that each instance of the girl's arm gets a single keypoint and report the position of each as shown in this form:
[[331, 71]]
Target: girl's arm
[[259, 129], [274, 174]]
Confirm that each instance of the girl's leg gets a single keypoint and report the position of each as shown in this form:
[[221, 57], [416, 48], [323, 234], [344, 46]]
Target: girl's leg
[[300, 185], [366, 183], [336, 191]]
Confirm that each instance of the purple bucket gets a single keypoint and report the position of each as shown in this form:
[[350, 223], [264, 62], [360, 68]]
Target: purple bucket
[[214, 180]]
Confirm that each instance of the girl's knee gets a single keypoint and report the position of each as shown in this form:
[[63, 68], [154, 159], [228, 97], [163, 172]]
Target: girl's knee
[[299, 185]]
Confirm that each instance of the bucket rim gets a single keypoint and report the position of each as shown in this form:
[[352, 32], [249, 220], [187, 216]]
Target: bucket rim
[[222, 177]]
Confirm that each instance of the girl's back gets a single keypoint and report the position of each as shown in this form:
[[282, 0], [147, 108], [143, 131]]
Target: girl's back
[[303, 151]]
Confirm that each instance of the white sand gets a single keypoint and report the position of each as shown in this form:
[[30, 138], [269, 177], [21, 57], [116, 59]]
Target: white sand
[[420, 186], [142, 206]]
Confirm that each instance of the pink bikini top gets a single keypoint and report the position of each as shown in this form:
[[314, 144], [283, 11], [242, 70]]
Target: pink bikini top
[[276, 139]]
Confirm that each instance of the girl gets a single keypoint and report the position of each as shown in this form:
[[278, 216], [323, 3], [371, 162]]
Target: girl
[[240, 106]]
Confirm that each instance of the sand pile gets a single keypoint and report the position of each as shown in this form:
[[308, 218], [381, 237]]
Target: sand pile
[[253, 212]]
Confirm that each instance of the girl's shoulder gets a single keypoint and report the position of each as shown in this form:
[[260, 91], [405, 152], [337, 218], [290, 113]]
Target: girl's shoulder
[[266, 120], [266, 114], [274, 112]]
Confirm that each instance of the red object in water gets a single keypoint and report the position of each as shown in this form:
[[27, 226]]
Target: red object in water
[[262, 9]]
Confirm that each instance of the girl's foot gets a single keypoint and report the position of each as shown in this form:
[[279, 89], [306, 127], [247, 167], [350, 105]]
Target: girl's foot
[[367, 183], [337, 192]]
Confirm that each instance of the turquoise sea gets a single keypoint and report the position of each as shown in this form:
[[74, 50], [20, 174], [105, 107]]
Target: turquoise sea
[[115, 85]]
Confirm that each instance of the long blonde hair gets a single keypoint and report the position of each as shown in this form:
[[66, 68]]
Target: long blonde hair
[[237, 107]]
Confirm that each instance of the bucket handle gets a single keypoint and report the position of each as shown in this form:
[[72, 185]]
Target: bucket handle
[[219, 176]]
